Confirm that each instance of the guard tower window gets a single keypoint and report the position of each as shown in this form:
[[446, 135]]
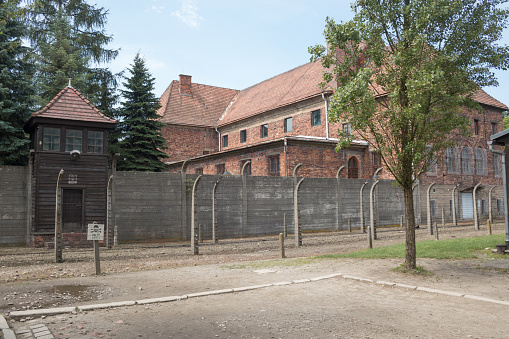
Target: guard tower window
[[73, 140], [95, 142], [51, 139]]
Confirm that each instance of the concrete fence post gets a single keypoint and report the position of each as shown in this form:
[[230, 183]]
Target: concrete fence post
[[363, 223], [489, 226], [338, 195], [296, 214], [349, 225], [443, 216], [401, 222], [436, 231], [58, 218], [194, 224], [428, 212], [183, 201], [476, 213], [285, 229], [109, 228], [453, 205], [243, 173], [372, 225], [490, 197], [282, 245], [30, 207]]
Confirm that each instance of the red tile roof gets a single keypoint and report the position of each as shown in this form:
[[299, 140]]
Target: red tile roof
[[70, 104], [202, 108], [293, 86], [484, 98]]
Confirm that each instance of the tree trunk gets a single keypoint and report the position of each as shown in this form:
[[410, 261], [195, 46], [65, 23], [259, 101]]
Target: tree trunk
[[410, 252]]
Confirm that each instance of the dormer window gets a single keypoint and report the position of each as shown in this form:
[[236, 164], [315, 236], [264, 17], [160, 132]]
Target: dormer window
[[51, 139], [73, 140]]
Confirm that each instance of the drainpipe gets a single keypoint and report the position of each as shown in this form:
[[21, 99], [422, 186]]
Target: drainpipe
[[286, 157], [219, 138], [506, 212], [326, 116]]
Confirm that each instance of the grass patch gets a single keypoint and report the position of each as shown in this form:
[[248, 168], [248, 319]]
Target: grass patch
[[420, 271], [464, 248]]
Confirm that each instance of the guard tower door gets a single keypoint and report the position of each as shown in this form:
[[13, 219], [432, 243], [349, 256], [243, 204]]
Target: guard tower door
[[72, 210]]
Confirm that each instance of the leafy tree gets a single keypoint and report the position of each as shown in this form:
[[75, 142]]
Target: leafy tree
[[405, 69], [68, 38], [16, 90], [141, 141]]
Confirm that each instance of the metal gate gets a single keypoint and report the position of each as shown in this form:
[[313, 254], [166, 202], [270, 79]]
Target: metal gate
[[467, 206]]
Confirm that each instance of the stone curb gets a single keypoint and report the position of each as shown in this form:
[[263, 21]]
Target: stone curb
[[60, 310], [7, 333]]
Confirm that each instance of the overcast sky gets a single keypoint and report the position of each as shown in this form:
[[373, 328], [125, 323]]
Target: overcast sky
[[226, 43]]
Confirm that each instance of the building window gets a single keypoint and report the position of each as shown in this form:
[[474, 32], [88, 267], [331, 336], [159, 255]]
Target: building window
[[450, 207], [353, 168], [500, 206], [273, 164], [199, 170], [95, 142], [452, 160], [432, 165], [484, 206], [377, 161], [248, 166], [316, 118], [467, 161], [220, 169], [497, 165], [347, 129], [493, 128], [432, 207], [264, 131], [225, 141], [481, 157], [476, 126], [51, 139], [73, 139], [243, 136], [288, 125]]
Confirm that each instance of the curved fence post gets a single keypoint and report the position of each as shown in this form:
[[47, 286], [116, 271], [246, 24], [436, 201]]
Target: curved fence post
[[194, 225], [296, 214], [476, 213], [372, 222], [363, 226], [183, 202], [58, 218], [244, 197], [339, 216], [453, 198], [428, 212], [490, 213], [109, 229]]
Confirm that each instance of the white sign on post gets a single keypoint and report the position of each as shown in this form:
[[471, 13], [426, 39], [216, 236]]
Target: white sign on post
[[95, 232]]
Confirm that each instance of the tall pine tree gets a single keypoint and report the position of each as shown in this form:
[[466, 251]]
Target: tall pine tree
[[16, 90], [69, 40], [141, 141]]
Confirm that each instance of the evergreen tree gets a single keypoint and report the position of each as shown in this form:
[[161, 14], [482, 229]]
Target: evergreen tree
[[141, 141], [16, 90], [68, 39]]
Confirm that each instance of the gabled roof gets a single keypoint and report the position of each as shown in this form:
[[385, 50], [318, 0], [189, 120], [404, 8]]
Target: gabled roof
[[70, 104], [284, 89], [484, 98], [201, 108]]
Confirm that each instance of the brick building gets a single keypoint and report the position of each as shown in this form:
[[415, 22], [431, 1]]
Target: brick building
[[282, 122]]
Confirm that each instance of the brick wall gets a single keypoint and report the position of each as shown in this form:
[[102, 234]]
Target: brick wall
[[185, 142]]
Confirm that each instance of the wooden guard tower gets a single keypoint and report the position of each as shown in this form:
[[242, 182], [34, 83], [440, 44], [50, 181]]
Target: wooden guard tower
[[68, 134]]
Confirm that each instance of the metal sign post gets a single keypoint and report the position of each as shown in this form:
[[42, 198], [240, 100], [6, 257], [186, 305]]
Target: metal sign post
[[96, 234]]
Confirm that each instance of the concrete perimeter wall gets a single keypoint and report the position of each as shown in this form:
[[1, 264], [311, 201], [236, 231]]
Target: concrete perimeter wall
[[157, 206], [13, 205]]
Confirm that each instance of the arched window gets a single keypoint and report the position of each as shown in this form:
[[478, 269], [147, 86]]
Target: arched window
[[481, 159], [353, 168], [467, 160], [452, 158]]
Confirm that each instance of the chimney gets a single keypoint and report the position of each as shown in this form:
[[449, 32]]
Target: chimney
[[185, 85]]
